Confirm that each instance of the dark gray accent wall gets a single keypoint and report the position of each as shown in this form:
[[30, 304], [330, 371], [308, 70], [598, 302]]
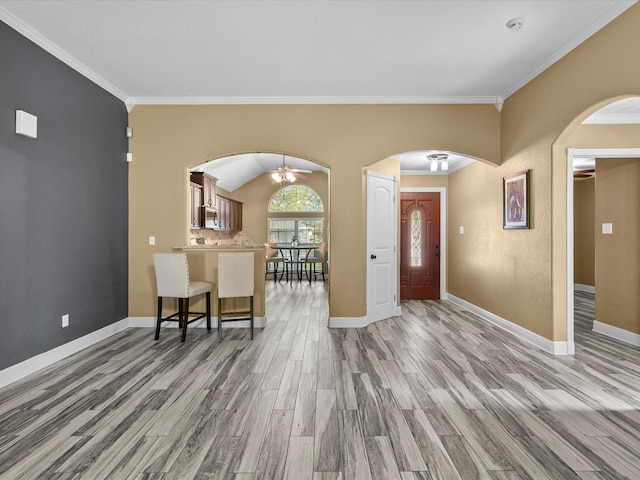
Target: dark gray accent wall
[[63, 203]]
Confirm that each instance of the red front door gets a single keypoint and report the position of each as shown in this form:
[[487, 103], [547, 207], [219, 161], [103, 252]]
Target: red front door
[[419, 245]]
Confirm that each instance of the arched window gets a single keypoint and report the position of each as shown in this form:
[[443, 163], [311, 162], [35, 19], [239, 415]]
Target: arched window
[[295, 198], [286, 228]]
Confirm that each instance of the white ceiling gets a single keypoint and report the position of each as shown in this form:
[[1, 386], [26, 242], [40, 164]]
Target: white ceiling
[[310, 51], [306, 51]]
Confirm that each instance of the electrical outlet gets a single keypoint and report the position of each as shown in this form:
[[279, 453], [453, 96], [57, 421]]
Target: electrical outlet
[[65, 320]]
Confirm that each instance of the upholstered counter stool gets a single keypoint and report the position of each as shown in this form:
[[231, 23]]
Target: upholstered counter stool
[[235, 279], [172, 278]]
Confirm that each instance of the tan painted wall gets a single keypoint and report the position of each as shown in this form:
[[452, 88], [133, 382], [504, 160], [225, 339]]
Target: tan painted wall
[[170, 139], [536, 123], [618, 255], [584, 231]]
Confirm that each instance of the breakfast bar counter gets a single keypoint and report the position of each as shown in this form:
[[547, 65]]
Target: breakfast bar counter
[[203, 265]]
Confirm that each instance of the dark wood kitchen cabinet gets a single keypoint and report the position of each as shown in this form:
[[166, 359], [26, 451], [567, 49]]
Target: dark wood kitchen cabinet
[[230, 212], [196, 209], [209, 189]]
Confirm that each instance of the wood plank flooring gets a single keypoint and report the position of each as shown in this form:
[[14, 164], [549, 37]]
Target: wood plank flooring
[[436, 393]]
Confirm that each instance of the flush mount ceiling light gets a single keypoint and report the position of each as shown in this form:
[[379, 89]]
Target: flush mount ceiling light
[[439, 159], [515, 24]]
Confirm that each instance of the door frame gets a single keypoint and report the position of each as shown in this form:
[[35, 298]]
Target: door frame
[[443, 233], [573, 153]]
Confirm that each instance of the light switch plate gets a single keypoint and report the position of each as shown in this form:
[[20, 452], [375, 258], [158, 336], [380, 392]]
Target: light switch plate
[[152, 240], [26, 124], [607, 228], [461, 230]]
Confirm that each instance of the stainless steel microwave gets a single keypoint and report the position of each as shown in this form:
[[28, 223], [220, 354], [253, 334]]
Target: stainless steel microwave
[[210, 216]]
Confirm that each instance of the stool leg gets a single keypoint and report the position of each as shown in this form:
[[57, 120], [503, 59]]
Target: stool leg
[[208, 300], [159, 318], [219, 319], [185, 319], [251, 313]]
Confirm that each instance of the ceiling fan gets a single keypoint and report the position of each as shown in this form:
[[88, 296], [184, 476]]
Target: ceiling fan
[[285, 174], [588, 173]]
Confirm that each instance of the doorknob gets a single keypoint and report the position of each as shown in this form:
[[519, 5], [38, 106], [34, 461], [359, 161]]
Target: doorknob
[[373, 257]]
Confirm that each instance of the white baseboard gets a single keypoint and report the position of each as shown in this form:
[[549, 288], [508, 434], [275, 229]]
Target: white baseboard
[[20, 370], [579, 287], [348, 322], [356, 322], [616, 332], [549, 346]]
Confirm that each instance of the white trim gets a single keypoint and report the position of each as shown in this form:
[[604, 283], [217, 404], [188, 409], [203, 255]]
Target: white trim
[[349, 322], [20, 370], [358, 322], [150, 322], [573, 153], [44, 43], [286, 100], [579, 287], [443, 231], [31, 365], [617, 333], [549, 346]]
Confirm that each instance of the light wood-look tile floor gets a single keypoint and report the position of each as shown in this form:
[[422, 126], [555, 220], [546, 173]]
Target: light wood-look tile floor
[[436, 393]]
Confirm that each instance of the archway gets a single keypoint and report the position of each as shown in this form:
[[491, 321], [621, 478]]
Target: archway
[[248, 178], [569, 155]]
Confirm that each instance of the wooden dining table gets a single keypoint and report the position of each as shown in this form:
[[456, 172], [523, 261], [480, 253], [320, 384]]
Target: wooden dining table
[[295, 258]]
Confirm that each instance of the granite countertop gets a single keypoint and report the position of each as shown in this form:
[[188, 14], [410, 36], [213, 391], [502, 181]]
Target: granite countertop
[[249, 246]]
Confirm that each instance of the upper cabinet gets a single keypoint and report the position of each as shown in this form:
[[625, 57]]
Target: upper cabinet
[[210, 210], [230, 211], [209, 192], [196, 201]]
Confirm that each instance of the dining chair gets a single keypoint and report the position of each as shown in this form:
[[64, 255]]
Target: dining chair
[[273, 262], [317, 256], [235, 280], [172, 279]]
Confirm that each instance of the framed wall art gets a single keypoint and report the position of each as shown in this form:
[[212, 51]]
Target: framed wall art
[[515, 200]]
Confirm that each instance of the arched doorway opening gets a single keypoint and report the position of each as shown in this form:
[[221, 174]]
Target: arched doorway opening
[[253, 179], [609, 146]]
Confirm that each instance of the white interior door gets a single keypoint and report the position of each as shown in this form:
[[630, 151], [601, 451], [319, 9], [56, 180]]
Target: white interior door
[[382, 236]]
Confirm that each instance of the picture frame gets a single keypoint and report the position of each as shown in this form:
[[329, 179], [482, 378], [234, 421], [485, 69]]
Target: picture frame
[[515, 200]]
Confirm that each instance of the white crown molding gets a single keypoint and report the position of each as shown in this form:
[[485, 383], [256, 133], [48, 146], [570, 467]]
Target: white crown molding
[[44, 43], [616, 9], [307, 100]]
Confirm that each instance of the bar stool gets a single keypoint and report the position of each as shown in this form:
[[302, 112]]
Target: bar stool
[[172, 279], [235, 279]]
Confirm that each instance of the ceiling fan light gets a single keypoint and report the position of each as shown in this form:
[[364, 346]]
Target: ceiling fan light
[[276, 176], [290, 177]]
